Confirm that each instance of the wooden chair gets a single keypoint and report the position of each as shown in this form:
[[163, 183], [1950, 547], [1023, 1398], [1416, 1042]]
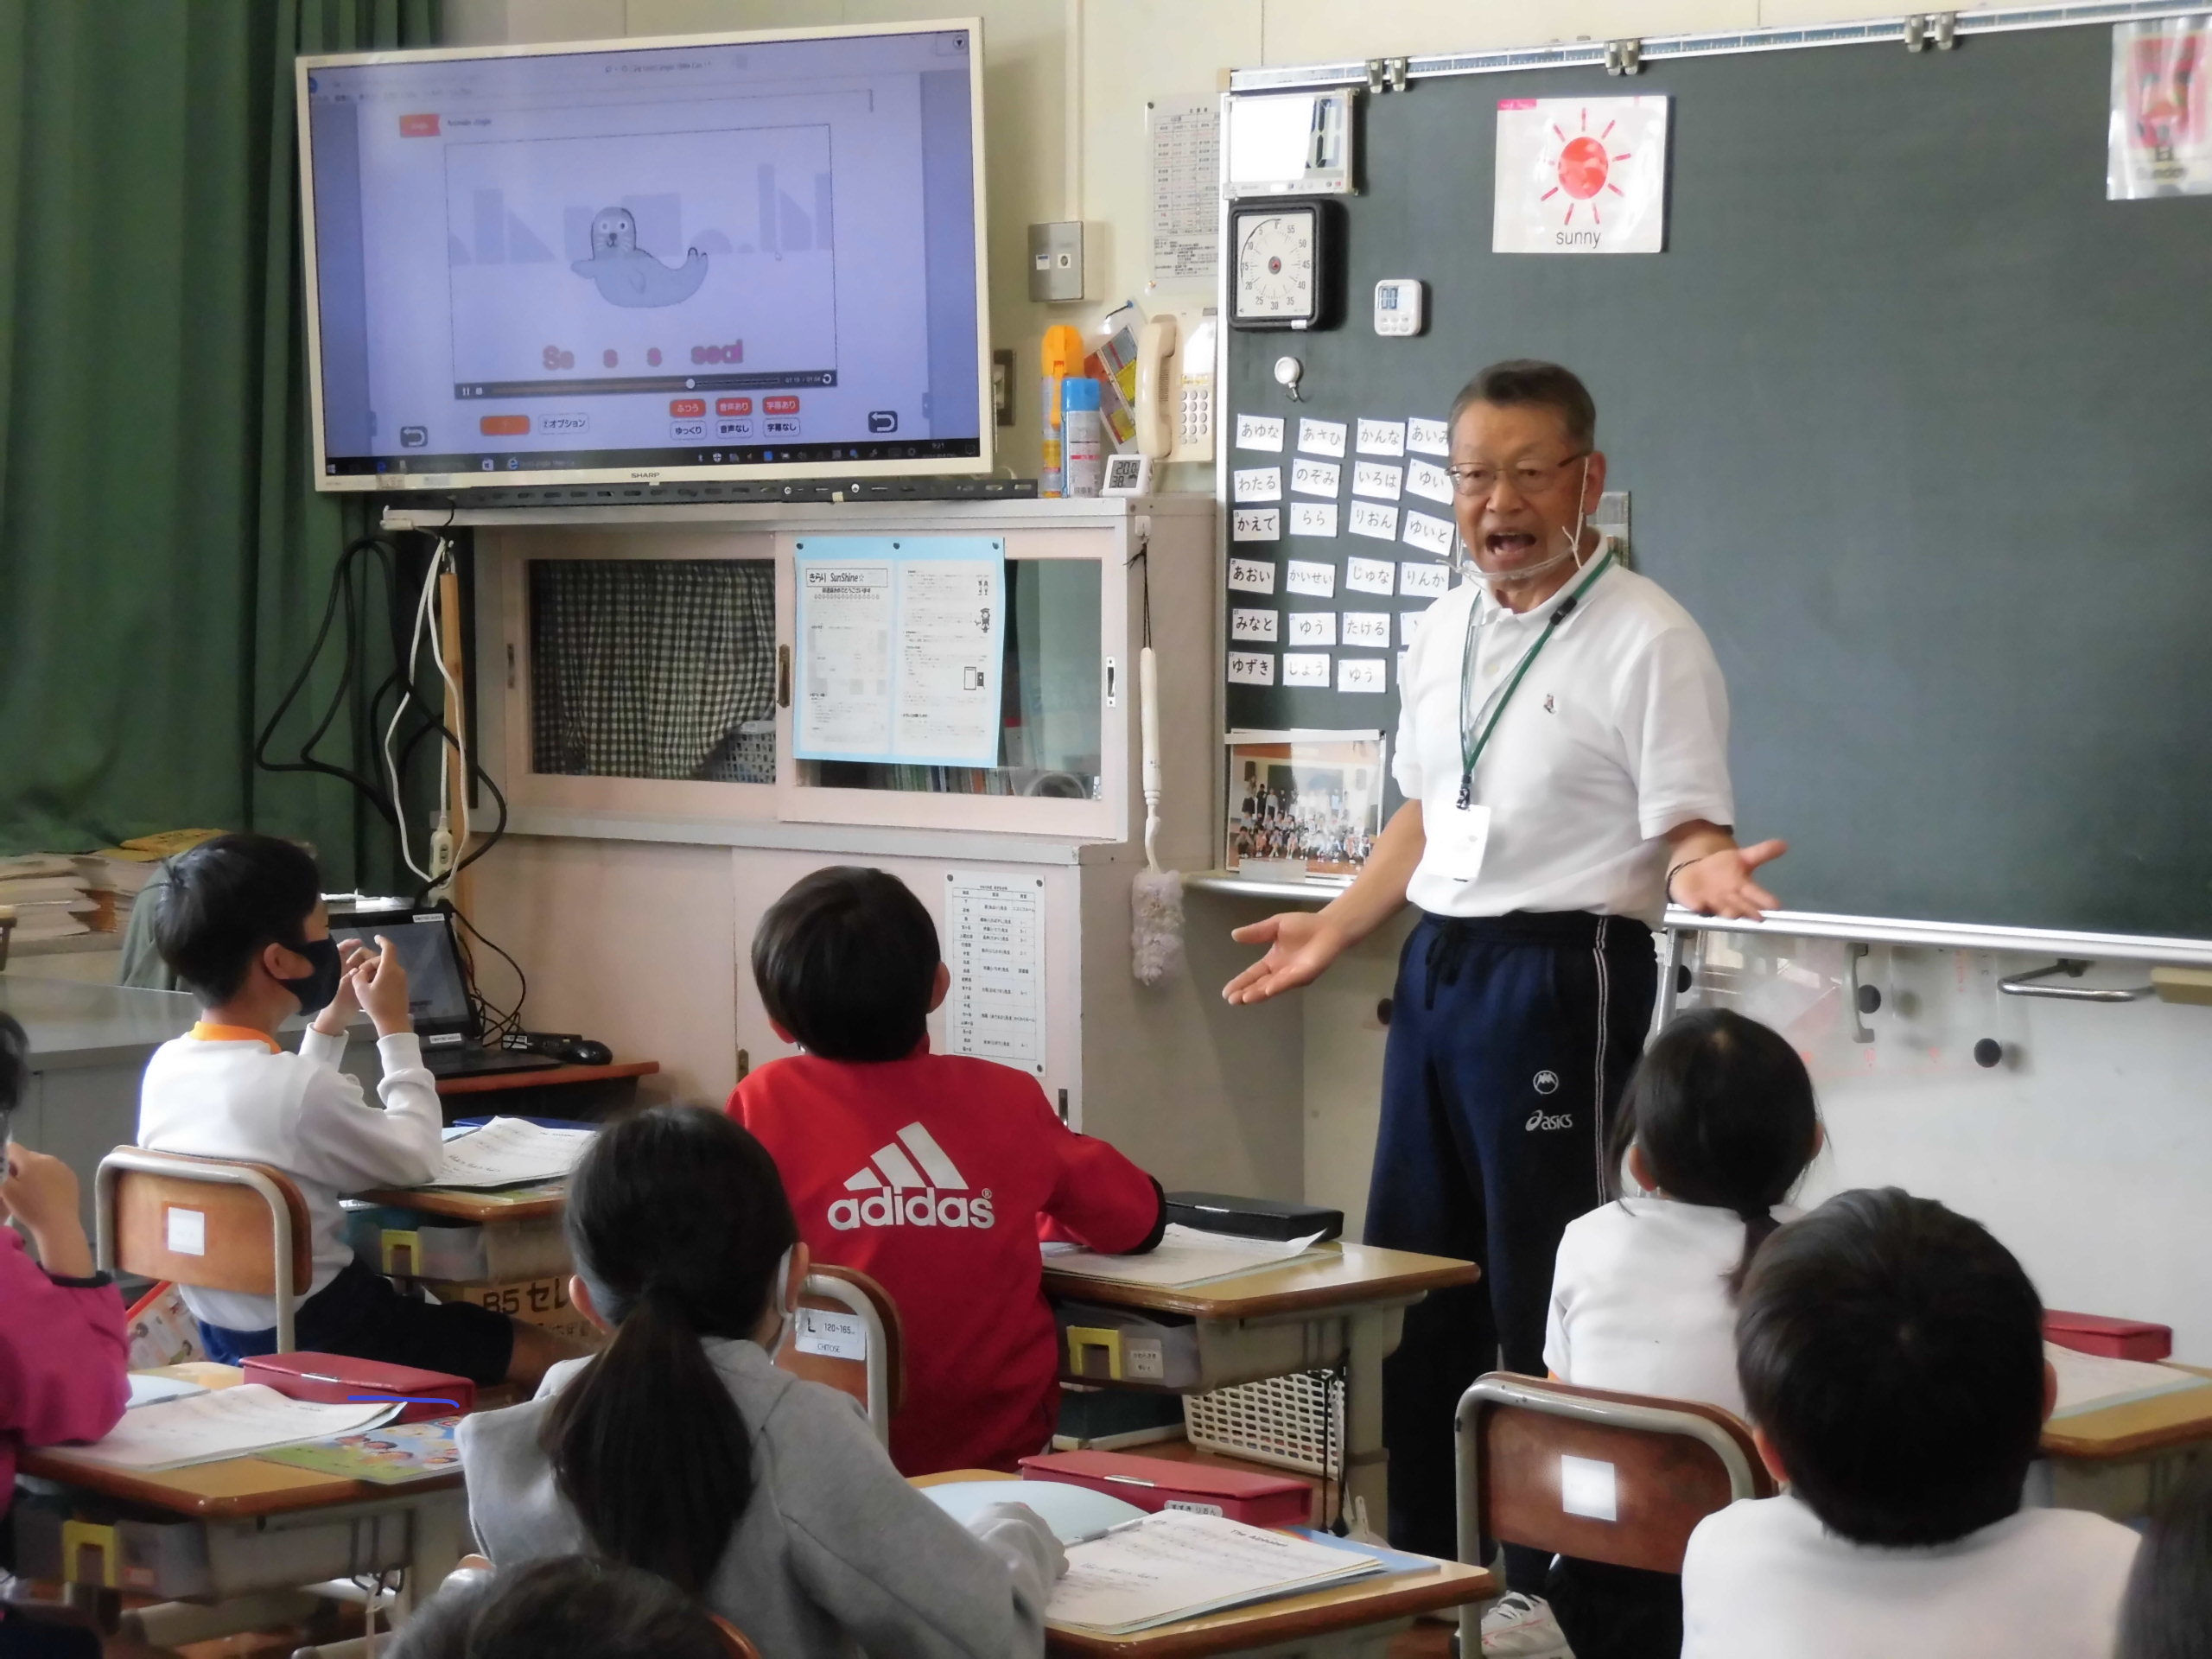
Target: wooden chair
[[877, 1379], [1621, 1478], [734, 1641], [205, 1223]]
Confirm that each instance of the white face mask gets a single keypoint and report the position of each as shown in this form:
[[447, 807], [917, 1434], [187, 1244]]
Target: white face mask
[[1463, 556]]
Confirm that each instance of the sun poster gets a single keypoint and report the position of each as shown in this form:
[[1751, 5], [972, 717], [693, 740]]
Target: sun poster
[[2161, 143], [1580, 175]]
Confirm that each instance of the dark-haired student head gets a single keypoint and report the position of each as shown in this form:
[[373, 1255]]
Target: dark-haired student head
[[242, 913], [15, 1067], [2167, 1613], [680, 1230], [1720, 1112], [848, 965], [1891, 1352], [562, 1607]]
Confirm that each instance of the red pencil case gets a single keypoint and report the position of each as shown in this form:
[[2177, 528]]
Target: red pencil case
[[1161, 1483], [340, 1379], [2093, 1334]]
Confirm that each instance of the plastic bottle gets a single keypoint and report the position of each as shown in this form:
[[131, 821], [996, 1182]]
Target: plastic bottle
[[1082, 436], [1063, 358]]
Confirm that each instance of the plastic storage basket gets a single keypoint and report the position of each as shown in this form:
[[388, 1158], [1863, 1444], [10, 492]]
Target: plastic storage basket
[[1292, 1422]]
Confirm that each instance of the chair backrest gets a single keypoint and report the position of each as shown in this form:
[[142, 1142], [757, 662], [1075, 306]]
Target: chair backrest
[[734, 1642], [869, 1363], [1621, 1478], [207, 1224]]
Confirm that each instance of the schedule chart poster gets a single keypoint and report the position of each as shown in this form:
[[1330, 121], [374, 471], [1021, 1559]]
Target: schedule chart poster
[[901, 642], [994, 952]]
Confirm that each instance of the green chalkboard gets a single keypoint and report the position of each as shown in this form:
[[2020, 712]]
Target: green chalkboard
[[1915, 422]]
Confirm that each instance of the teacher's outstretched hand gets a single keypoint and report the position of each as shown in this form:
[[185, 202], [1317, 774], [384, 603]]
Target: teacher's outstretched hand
[[1718, 881], [1302, 944]]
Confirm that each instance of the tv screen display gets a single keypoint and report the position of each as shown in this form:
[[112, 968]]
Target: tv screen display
[[735, 257]]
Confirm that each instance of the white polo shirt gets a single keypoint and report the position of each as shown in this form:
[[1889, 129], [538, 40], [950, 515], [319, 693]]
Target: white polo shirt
[[1618, 733], [1764, 1578], [1640, 1300]]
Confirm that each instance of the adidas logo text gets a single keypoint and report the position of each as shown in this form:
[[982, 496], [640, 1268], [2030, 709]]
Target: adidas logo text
[[923, 1189]]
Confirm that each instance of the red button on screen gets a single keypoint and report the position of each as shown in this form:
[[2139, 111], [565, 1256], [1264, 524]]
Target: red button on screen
[[504, 426], [780, 405], [685, 409], [418, 126], [733, 405]]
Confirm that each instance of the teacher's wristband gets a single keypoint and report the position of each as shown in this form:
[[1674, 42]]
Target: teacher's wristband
[[1668, 890]]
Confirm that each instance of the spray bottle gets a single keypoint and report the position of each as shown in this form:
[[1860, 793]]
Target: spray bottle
[[1063, 357]]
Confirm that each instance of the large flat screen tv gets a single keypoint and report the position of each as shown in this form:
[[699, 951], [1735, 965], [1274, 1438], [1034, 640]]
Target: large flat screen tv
[[715, 257]]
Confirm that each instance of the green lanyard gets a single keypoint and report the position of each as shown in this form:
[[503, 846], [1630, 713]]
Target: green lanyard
[[1471, 745]]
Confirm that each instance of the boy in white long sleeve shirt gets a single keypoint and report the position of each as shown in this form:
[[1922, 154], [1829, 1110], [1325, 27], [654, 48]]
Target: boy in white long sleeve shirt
[[243, 925]]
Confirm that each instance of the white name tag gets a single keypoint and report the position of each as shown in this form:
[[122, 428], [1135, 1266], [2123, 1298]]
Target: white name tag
[[1428, 437], [1428, 480], [1321, 437], [185, 1232], [1589, 1487], [1251, 668], [1376, 478], [1255, 523], [1417, 580], [1430, 535], [1253, 625], [1458, 836], [1313, 518], [1256, 483], [1373, 518], [1257, 575], [1259, 432], [1306, 668], [1381, 437], [1369, 576], [1306, 577], [1313, 627], [1370, 629], [1361, 674], [1315, 477]]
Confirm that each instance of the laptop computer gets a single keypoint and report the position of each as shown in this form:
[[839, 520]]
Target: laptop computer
[[437, 991]]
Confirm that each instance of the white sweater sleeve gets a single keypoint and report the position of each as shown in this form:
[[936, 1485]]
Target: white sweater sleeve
[[345, 1141]]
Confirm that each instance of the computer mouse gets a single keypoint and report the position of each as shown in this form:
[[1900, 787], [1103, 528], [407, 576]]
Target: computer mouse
[[584, 1051]]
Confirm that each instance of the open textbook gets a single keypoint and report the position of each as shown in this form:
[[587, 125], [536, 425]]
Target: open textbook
[[2094, 1382], [222, 1423], [508, 1151], [1175, 1565], [1186, 1256]]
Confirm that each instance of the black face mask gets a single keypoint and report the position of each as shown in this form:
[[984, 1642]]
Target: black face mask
[[317, 989]]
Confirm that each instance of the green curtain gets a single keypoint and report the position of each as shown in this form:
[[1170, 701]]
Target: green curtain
[[163, 556]]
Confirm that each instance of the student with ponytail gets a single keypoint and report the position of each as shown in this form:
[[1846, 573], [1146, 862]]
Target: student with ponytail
[[1717, 1126], [682, 1450]]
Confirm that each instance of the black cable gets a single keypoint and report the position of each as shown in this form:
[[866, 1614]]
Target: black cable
[[509, 1020]]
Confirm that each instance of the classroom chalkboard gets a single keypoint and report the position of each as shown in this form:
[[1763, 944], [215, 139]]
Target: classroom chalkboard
[[1915, 422]]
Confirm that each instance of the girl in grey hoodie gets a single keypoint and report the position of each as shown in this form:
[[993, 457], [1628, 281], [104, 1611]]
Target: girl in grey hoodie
[[682, 1450]]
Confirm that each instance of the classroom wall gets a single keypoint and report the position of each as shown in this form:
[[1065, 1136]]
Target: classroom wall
[[2085, 1151]]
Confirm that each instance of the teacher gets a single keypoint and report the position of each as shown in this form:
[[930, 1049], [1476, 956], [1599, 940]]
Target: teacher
[[1562, 749]]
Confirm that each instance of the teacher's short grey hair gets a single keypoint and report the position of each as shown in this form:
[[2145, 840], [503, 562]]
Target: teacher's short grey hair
[[1522, 381]]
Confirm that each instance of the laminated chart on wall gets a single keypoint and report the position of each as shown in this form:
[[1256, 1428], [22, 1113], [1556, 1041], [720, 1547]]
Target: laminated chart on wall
[[901, 642], [995, 951], [1327, 581]]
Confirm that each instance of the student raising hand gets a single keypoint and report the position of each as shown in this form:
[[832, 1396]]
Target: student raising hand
[[380, 982], [41, 1193]]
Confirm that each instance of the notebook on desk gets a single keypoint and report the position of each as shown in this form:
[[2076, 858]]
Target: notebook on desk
[[437, 991]]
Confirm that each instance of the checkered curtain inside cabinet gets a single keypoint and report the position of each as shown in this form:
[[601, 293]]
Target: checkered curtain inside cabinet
[[653, 668]]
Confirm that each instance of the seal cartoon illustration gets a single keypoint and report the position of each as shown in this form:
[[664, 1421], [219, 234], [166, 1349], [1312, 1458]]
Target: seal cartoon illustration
[[626, 274]]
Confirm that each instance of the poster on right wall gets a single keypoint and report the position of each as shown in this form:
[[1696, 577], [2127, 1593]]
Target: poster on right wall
[[2161, 134]]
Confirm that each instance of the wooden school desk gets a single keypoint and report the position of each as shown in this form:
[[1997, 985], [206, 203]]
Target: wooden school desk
[[1347, 1303], [586, 1094], [2122, 1461], [247, 1505], [1353, 1621]]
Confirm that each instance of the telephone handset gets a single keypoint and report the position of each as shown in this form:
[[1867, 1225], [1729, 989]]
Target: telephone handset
[[1156, 384], [1174, 401]]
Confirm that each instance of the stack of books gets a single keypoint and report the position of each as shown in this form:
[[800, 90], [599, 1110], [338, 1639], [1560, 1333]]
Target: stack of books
[[50, 896]]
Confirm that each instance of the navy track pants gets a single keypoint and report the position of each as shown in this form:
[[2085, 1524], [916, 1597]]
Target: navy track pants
[[1511, 1038]]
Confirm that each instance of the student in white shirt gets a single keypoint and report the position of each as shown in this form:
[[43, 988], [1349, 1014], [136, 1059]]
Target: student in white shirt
[[1891, 1355], [2168, 1611], [243, 926], [1717, 1126]]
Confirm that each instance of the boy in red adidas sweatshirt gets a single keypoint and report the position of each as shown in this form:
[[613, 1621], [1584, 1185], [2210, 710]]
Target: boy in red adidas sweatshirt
[[932, 1173]]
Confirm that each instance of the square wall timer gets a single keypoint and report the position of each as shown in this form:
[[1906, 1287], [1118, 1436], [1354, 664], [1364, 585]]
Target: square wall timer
[[1056, 261], [1398, 308]]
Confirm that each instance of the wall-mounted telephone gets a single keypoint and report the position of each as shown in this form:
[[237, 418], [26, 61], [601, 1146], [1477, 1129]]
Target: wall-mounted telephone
[[1174, 404]]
